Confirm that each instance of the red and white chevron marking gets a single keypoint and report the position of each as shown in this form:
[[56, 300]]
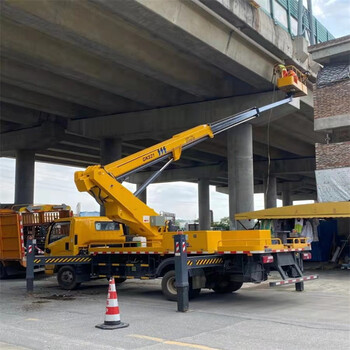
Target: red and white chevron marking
[[293, 280], [241, 252], [196, 252], [288, 250], [21, 235], [96, 253]]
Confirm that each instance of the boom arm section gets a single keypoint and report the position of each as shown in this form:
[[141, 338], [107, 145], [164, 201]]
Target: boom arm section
[[103, 183]]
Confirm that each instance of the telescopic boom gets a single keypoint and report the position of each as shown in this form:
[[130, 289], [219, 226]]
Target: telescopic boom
[[104, 182]]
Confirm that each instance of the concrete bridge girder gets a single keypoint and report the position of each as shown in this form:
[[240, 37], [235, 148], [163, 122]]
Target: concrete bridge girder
[[71, 21], [18, 114], [44, 82], [279, 168], [298, 192], [38, 137], [202, 34], [33, 100], [73, 63], [167, 120]]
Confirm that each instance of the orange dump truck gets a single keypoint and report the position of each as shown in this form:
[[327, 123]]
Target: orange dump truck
[[16, 224]]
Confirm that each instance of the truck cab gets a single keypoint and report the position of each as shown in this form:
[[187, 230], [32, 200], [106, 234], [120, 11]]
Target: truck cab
[[75, 235]]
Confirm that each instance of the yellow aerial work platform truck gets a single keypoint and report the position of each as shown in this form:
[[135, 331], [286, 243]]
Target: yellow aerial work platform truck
[[143, 245]]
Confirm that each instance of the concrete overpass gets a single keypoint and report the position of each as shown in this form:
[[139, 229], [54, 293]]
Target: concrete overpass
[[85, 82]]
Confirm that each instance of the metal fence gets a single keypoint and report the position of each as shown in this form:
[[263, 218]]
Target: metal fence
[[285, 14]]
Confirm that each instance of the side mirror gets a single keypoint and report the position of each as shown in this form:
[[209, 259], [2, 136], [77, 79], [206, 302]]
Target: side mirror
[[47, 250]]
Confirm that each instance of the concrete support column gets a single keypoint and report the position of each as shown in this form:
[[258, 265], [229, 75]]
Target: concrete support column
[[270, 192], [143, 195], [240, 171], [204, 204], [111, 150], [24, 180], [287, 197]]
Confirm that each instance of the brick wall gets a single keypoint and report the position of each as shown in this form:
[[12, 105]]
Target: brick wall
[[332, 100], [333, 155]]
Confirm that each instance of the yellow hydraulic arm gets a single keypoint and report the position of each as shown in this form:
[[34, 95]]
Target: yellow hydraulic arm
[[104, 182]]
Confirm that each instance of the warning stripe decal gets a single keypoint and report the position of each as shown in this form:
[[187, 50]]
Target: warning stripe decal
[[60, 260], [201, 262], [130, 277]]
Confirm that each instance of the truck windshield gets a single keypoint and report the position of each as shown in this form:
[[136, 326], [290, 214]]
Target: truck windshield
[[106, 226], [58, 231]]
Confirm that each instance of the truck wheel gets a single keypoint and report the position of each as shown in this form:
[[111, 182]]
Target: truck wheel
[[67, 278], [168, 285], [169, 290], [225, 286], [3, 273]]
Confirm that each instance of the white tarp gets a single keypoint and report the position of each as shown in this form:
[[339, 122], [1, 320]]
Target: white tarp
[[333, 185]]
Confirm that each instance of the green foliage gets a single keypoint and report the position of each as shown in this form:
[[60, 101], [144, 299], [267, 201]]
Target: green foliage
[[223, 224]]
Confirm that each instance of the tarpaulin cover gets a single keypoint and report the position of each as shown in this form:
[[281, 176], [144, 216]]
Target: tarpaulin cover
[[333, 185], [332, 74]]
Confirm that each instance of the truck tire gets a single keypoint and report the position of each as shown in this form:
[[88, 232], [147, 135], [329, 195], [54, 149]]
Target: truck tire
[[169, 289], [3, 272], [168, 285], [67, 278], [225, 286]]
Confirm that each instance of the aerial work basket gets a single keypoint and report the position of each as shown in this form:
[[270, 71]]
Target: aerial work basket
[[291, 80]]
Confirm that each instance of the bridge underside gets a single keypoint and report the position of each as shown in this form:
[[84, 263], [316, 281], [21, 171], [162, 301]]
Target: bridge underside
[[75, 73]]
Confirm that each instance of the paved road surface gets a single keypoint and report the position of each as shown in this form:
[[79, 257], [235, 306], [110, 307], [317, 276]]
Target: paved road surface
[[255, 317]]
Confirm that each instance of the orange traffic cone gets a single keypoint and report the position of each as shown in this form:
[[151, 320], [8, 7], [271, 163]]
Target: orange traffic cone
[[112, 317]]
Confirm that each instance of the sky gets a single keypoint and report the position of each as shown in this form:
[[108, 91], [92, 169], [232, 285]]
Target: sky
[[334, 15], [55, 184]]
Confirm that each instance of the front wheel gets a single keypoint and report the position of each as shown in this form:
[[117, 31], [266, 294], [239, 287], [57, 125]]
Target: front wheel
[[67, 278]]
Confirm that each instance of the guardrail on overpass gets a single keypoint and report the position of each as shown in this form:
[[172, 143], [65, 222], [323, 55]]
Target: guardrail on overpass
[[285, 14]]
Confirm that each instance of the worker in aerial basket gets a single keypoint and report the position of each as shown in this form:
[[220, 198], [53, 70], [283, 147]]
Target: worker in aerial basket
[[284, 72]]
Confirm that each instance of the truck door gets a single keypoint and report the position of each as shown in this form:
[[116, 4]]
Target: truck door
[[59, 242]]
